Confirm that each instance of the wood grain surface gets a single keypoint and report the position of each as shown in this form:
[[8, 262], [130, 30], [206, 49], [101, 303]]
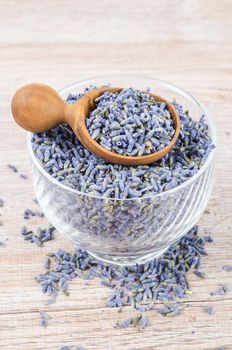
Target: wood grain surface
[[188, 43]]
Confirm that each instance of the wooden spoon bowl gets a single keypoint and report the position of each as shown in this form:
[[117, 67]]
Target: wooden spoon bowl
[[37, 108]]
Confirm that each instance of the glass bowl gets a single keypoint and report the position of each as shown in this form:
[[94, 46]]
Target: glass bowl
[[127, 231]]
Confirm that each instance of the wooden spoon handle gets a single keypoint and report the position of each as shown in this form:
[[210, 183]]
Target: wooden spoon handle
[[37, 107]]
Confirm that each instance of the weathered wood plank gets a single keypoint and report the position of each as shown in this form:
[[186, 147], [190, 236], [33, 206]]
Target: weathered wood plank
[[94, 329]]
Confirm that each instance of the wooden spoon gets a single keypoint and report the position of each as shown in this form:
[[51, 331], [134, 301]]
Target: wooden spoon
[[37, 108]]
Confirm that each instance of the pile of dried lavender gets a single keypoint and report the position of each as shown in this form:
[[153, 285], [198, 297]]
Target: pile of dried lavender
[[63, 157], [40, 236], [161, 279], [130, 123]]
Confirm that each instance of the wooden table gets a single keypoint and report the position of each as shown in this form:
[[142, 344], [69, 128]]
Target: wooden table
[[59, 42]]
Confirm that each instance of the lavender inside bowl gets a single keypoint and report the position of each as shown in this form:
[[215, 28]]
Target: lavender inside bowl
[[137, 221]]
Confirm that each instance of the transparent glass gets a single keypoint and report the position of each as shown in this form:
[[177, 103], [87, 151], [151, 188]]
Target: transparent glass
[[134, 230]]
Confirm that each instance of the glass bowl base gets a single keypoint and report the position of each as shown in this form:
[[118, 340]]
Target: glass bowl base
[[127, 260]]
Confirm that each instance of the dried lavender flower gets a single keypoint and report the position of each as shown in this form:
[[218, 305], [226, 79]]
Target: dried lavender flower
[[221, 290], [209, 310], [44, 317], [1, 202], [23, 176], [228, 268], [124, 324], [28, 214], [13, 168], [65, 347], [47, 263], [2, 243], [143, 322], [208, 238], [200, 274], [41, 236]]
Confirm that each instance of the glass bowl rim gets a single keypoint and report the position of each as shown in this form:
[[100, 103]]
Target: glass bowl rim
[[156, 195]]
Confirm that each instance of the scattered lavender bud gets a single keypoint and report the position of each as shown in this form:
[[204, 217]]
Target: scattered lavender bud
[[1, 223], [208, 239], [124, 323], [228, 268], [143, 322], [221, 290], [2, 243], [200, 274], [44, 317], [27, 234], [47, 263], [1, 202], [209, 310], [28, 214], [65, 347], [23, 176], [13, 168]]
